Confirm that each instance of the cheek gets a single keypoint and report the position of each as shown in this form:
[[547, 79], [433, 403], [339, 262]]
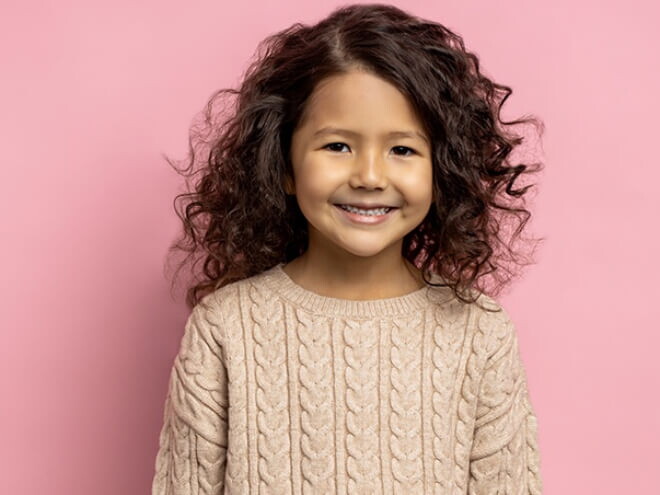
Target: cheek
[[418, 186], [318, 179]]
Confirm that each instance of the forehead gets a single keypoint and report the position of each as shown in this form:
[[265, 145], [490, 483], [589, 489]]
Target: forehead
[[360, 100]]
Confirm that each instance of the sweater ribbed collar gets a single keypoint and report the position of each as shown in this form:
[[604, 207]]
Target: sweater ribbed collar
[[277, 280]]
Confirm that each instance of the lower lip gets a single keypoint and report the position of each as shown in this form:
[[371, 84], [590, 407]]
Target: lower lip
[[365, 219]]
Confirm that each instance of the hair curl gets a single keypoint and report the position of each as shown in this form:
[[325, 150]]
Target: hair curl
[[239, 219]]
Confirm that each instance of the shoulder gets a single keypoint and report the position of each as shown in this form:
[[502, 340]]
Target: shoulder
[[206, 325], [203, 335], [222, 307], [225, 300], [485, 322], [492, 324]]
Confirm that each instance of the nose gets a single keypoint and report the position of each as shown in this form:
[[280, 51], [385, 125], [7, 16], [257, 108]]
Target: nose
[[369, 172]]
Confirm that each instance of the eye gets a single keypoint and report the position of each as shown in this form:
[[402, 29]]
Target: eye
[[335, 146], [405, 148]]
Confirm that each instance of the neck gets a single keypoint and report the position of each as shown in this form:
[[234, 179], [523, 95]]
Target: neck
[[355, 277]]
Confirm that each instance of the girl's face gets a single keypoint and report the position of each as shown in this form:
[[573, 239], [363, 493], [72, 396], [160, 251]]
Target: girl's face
[[360, 143]]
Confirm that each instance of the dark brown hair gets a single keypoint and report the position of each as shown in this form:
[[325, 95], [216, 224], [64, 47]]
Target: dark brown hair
[[238, 217]]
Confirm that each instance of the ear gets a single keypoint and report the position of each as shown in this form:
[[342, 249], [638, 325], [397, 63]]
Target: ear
[[289, 185]]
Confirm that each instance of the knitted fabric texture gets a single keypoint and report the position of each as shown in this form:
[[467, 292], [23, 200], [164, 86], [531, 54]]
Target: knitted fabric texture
[[276, 389]]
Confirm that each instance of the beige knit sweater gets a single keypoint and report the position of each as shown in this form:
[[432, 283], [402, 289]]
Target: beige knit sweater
[[278, 390]]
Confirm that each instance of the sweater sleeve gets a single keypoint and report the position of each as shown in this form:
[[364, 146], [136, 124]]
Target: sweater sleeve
[[192, 449], [505, 454]]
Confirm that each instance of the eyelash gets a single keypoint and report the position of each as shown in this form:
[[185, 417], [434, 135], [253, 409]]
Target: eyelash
[[404, 147]]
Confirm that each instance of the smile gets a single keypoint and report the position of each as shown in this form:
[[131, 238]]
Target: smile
[[365, 217]]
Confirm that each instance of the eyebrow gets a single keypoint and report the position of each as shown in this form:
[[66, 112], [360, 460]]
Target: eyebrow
[[336, 130]]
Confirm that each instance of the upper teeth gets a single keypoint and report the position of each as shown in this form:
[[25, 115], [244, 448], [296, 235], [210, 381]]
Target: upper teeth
[[373, 211]]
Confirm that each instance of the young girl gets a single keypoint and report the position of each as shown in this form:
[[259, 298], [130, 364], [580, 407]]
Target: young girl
[[339, 342]]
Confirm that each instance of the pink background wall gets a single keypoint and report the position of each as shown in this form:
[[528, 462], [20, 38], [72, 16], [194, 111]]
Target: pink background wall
[[92, 94]]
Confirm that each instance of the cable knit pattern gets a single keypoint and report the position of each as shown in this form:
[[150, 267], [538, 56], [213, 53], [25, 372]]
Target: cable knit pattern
[[277, 389], [193, 440], [362, 465], [316, 392], [406, 405], [271, 393]]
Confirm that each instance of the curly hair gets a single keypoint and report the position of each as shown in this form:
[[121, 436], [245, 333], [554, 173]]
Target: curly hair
[[237, 216]]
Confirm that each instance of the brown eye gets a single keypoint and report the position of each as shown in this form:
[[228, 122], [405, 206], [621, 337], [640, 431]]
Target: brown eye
[[334, 145], [404, 148]]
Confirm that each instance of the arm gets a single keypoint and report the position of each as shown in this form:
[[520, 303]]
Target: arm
[[193, 440], [505, 453]]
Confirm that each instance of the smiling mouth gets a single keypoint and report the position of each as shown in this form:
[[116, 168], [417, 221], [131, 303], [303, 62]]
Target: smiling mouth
[[366, 211], [365, 217]]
